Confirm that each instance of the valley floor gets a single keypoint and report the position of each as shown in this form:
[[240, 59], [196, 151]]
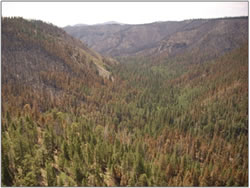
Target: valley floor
[[165, 124]]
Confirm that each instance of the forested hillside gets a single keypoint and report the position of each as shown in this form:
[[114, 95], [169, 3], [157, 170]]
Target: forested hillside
[[71, 117], [43, 65]]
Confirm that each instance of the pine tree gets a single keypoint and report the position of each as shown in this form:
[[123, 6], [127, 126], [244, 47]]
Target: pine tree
[[65, 150], [7, 175], [78, 175], [51, 175], [142, 181]]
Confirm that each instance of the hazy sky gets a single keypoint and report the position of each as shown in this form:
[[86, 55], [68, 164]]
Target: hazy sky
[[70, 13]]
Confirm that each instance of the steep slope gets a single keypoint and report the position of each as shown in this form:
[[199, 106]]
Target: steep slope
[[215, 35], [42, 57]]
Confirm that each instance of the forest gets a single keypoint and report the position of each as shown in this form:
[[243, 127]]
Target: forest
[[179, 120]]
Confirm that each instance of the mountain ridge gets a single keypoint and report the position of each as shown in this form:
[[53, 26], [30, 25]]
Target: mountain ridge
[[144, 39]]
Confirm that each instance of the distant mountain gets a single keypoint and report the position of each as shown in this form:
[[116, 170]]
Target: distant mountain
[[79, 25], [215, 35], [110, 23], [105, 23]]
